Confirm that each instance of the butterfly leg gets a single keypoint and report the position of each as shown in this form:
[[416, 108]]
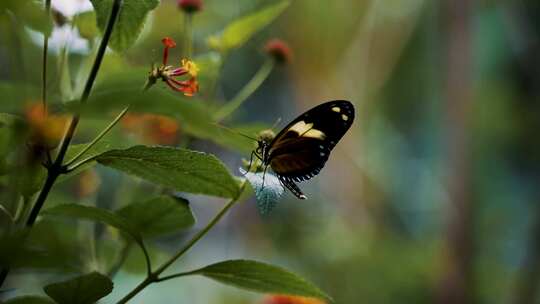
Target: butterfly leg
[[250, 162], [264, 174]]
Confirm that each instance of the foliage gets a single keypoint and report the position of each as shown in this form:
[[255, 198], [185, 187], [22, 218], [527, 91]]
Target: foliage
[[35, 165], [261, 277]]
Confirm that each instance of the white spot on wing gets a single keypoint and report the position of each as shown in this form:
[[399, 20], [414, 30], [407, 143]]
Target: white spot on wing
[[336, 109], [306, 130], [344, 117]]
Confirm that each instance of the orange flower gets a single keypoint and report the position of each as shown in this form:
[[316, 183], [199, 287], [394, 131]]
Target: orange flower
[[87, 183], [286, 299], [152, 128], [45, 130], [168, 73]]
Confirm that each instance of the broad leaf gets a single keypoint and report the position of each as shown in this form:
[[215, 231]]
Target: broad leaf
[[16, 96], [85, 289], [261, 277], [86, 24], [30, 300], [158, 216], [48, 246], [181, 169], [241, 30], [95, 214], [130, 21], [268, 190], [30, 12]]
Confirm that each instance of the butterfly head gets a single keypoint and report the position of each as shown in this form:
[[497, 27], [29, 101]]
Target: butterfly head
[[264, 138]]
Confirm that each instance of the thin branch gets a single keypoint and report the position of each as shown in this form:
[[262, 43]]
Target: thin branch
[[177, 275], [246, 91], [44, 59], [154, 276], [121, 260], [99, 137], [57, 168]]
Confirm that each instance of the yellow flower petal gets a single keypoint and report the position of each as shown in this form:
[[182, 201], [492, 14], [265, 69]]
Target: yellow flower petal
[[191, 67]]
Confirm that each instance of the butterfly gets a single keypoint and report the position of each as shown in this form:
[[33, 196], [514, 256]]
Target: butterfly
[[299, 151]]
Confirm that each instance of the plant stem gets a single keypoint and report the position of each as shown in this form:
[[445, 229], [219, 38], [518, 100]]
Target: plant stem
[[99, 137], [44, 59], [246, 91], [122, 258], [154, 276], [56, 167], [177, 275], [188, 35]]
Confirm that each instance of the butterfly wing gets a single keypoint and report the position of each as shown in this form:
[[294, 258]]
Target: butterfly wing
[[302, 148]]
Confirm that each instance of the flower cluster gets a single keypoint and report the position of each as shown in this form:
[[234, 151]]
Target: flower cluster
[[169, 73]]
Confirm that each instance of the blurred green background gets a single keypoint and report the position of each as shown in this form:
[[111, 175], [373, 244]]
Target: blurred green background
[[431, 197]]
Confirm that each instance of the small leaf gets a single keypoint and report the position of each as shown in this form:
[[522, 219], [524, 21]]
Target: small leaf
[[267, 194], [85, 289], [158, 216], [241, 30], [261, 277], [130, 20], [180, 169], [95, 214], [86, 24], [29, 300]]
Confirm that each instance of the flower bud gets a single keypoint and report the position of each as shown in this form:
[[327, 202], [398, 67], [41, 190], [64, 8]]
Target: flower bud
[[190, 6], [278, 50]]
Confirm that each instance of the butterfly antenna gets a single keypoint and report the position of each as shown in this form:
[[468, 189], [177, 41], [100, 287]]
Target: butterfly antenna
[[235, 132]]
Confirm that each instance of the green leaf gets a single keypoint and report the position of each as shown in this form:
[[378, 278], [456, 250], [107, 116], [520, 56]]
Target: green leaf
[[32, 13], [85, 289], [180, 169], [86, 24], [95, 214], [130, 21], [50, 245], [241, 30], [267, 194], [260, 277], [159, 216], [15, 96], [29, 300]]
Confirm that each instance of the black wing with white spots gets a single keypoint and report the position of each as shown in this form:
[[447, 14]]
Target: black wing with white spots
[[302, 148]]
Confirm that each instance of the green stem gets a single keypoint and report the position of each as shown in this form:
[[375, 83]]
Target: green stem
[[246, 91], [121, 260], [56, 168], [188, 35], [99, 137], [177, 275], [154, 276], [44, 59]]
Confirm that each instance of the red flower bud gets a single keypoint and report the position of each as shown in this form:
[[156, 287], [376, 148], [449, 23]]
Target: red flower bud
[[278, 50], [190, 6]]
